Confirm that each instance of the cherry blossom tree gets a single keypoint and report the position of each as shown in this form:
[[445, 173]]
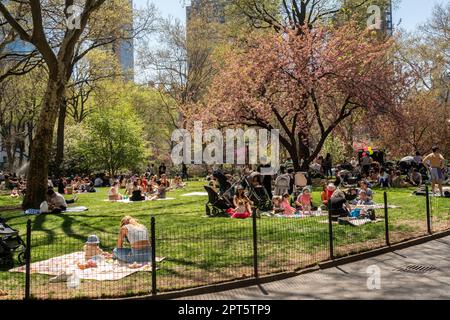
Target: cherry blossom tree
[[305, 85]]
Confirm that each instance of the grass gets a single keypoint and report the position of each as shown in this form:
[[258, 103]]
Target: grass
[[201, 250]]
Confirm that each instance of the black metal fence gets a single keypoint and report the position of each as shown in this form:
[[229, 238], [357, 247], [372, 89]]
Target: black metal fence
[[219, 250]]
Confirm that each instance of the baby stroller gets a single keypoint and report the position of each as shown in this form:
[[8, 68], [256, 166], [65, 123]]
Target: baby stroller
[[10, 242], [216, 205], [257, 193], [223, 181]]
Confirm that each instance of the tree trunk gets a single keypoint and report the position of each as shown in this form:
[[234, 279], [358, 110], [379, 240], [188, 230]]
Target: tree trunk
[[59, 157], [42, 143], [10, 154]]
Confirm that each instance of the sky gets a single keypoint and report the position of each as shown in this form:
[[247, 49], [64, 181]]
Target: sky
[[411, 13]]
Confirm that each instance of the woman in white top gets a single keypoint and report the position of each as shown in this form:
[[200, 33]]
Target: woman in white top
[[137, 235]]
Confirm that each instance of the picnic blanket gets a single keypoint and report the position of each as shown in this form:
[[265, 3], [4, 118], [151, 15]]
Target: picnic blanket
[[374, 206], [129, 201], [194, 194], [301, 216], [106, 271], [70, 209]]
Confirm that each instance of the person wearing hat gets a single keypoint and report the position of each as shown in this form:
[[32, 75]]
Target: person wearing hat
[[91, 248], [435, 163]]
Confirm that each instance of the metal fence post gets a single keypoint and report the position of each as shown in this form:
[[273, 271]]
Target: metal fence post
[[386, 219], [330, 231], [255, 246], [28, 261], [428, 210], [153, 242]]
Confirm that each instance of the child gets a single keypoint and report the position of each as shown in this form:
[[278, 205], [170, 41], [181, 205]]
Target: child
[[277, 207], [92, 249], [285, 204], [304, 201]]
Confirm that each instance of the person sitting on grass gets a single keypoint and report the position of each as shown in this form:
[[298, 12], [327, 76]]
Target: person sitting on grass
[[277, 206], [165, 182], [363, 199], [92, 250], [162, 190], [415, 178], [397, 180], [136, 234], [365, 186], [339, 206], [242, 205], [144, 184], [288, 209], [15, 193], [113, 194], [326, 194], [152, 187], [56, 201], [136, 194], [304, 202], [383, 179], [178, 182]]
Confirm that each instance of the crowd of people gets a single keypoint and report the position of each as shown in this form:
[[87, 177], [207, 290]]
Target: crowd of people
[[153, 183], [144, 187], [345, 186]]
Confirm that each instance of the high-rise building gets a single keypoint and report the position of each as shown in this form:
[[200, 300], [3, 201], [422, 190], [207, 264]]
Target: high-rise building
[[212, 10], [124, 49]]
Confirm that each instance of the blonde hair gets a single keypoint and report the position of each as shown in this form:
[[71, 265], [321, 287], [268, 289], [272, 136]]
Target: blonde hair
[[130, 220]]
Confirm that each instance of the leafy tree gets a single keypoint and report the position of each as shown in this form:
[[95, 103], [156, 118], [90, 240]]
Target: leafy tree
[[305, 85], [113, 139], [62, 40]]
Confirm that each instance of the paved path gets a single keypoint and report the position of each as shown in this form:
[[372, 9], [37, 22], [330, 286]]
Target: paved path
[[350, 281]]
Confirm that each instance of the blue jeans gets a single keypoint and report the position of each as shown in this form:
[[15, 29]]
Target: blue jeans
[[133, 255]]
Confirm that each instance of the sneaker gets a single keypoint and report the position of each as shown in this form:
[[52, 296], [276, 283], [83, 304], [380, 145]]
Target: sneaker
[[75, 198], [63, 277]]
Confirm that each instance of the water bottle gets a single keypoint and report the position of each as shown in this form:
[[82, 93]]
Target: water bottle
[[74, 280]]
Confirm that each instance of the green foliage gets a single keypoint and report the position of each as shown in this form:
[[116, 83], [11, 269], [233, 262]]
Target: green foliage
[[159, 117], [336, 147], [113, 139]]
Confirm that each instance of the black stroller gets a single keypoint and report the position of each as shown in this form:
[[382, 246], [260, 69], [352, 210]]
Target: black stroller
[[216, 205], [10, 242], [258, 194]]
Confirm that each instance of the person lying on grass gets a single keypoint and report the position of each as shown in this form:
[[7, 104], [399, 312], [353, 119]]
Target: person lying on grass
[[136, 234]]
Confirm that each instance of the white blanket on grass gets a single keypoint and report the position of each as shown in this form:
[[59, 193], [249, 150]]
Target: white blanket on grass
[[129, 201], [107, 271], [195, 194]]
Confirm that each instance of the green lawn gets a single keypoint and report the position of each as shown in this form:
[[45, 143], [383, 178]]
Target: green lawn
[[201, 250]]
